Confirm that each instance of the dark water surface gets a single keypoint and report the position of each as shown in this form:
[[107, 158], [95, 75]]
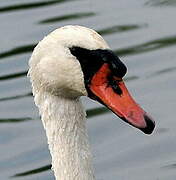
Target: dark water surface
[[143, 33]]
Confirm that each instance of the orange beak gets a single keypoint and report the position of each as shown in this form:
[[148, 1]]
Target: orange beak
[[117, 98]]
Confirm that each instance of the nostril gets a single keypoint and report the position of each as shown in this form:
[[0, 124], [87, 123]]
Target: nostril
[[114, 84], [150, 125]]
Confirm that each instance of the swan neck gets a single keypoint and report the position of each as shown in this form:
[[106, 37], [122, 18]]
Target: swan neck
[[65, 124]]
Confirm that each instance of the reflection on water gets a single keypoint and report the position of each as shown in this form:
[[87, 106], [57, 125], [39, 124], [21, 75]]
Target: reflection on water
[[67, 17], [23, 6]]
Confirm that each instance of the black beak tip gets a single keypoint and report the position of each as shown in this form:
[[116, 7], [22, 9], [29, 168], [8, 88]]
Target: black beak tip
[[150, 125]]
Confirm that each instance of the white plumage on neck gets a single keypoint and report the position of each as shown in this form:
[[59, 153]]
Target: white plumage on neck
[[65, 124], [57, 83]]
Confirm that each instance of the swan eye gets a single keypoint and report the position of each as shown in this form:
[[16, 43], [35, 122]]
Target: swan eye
[[92, 60]]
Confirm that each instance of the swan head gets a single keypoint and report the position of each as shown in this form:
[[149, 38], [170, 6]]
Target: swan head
[[54, 68], [75, 61]]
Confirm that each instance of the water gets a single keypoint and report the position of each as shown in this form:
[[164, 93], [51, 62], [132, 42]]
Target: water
[[143, 33]]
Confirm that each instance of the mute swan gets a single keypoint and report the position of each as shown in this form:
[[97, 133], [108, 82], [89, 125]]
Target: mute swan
[[70, 62]]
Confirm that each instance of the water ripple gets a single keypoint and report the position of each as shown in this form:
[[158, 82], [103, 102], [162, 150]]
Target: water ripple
[[166, 70], [130, 78], [14, 75], [96, 111], [30, 5], [163, 71], [161, 3], [18, 50], [67, 17], [34, 171], [16, 97], [148, 46], [15, 120], [170, 166], [120, 28]]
